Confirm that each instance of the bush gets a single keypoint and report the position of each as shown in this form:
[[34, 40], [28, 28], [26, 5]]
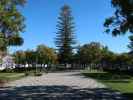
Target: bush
[[37, 74], [26, 74]]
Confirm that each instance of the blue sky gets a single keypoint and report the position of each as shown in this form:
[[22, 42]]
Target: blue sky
[[42, 16]]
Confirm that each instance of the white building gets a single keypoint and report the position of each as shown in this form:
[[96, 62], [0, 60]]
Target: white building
[[7, 62]]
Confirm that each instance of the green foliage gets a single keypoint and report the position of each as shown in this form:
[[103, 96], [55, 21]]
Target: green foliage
[[112, 61], [46, 55], [42, 55], [95, 53], [19, 57], [11, 20], [26, 73], [15, 40], [65, 38], [124, 59], [30, 56], [122, 20], [90, 53], [130, 46], [108, 57], [3, 42], [11, 23], [38, 74]]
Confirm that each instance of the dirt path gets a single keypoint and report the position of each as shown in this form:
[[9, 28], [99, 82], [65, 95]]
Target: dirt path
[[58, 86]]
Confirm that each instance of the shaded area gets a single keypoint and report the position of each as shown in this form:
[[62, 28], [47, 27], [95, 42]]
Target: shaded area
[[128, 95], [116, 81], [57, 93], [109, 77]]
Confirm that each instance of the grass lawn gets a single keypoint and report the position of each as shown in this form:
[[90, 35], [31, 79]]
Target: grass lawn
[[11, 76], [120, 82]]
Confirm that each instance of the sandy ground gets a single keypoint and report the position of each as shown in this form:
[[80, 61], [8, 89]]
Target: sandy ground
[[58, 86]]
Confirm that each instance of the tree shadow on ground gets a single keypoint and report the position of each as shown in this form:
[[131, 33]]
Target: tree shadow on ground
[[57, 93], [128, 95]]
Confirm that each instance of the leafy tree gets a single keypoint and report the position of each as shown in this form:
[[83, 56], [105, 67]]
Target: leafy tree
[[30, 56], [15, 40], [122, 20], [108, 58], [131, 43], [42, 55], [123, 59], [2, 42], [19, 57], [11, 20], [2, 45], [112, 60], [90, 53], [45, 55], [65, 39]]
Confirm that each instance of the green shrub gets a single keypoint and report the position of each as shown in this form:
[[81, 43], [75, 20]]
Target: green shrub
[[37, 74], [26, 74]]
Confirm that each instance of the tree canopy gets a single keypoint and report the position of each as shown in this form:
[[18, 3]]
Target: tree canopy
[[122, 20], [46, 55], [11, 22], [42, 55], [90, 53]]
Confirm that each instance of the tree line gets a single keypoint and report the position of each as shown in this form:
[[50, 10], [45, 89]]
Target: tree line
[[41, 55], [92, 53]]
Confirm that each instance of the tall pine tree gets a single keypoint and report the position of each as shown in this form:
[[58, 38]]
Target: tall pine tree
[[65, 38]]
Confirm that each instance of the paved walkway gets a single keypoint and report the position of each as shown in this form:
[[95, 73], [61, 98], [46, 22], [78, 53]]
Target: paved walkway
[[57, 86]]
